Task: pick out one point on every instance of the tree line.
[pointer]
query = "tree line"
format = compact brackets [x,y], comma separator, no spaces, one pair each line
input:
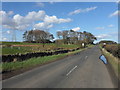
[74,37]
[64,37]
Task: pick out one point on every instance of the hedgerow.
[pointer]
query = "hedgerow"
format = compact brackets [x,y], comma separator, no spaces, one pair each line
[113,49]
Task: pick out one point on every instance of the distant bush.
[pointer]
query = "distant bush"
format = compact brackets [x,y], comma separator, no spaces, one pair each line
[113,49]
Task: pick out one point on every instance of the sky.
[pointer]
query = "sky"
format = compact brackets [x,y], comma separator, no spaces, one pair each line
[98,18]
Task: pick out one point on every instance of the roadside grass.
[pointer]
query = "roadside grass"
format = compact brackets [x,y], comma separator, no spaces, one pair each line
[90,45]
[28,63]
[113,61]
[34,61]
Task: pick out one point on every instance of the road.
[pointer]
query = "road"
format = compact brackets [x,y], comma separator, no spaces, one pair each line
[82,70]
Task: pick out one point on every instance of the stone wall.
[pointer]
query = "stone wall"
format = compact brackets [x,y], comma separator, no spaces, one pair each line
[22,57]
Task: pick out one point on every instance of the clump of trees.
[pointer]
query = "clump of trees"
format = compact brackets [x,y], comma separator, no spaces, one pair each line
[38,36]
[107,42]
[74,37]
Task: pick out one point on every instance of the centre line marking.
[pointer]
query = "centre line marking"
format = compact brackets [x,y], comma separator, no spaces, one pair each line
[71,70]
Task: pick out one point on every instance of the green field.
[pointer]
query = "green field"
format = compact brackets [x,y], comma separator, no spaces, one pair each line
[8,49]
[19,43]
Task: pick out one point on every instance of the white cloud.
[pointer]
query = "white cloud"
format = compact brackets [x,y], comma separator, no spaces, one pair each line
[56,0]
[6,20]
[82,10]
[43,26]
[4,39]
[75,12]
[10,13]
[35,16]
[49,21]
[40,4]
[102,28]
[30,17]
[109,36]
[99,28]
[52,2]
[18,19]
[76,29]
[111,25]
[18,22]
[64,20]
[54,19]
[8,32]
[118,1]
[116,13]
[102,36]
[25,21]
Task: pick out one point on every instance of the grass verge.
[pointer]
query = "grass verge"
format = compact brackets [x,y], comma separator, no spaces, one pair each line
[114,62]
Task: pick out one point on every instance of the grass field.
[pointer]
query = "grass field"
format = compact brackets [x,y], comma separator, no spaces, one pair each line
[19,43]
[7,49]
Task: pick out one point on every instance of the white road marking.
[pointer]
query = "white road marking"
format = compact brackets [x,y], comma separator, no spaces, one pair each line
[86,57]
[71,70]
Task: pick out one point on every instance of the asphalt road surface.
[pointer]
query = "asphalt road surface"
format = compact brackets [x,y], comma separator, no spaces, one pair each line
[82,70]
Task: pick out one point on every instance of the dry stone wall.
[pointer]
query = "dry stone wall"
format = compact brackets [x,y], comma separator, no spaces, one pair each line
[22,57]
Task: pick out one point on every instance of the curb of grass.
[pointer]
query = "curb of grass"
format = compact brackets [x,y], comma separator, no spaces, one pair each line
[12,73]
[112,66]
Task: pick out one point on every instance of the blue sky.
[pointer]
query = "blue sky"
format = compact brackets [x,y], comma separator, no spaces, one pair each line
[99,18]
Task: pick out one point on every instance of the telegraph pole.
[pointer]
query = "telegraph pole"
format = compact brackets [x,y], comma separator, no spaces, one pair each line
[14,36]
